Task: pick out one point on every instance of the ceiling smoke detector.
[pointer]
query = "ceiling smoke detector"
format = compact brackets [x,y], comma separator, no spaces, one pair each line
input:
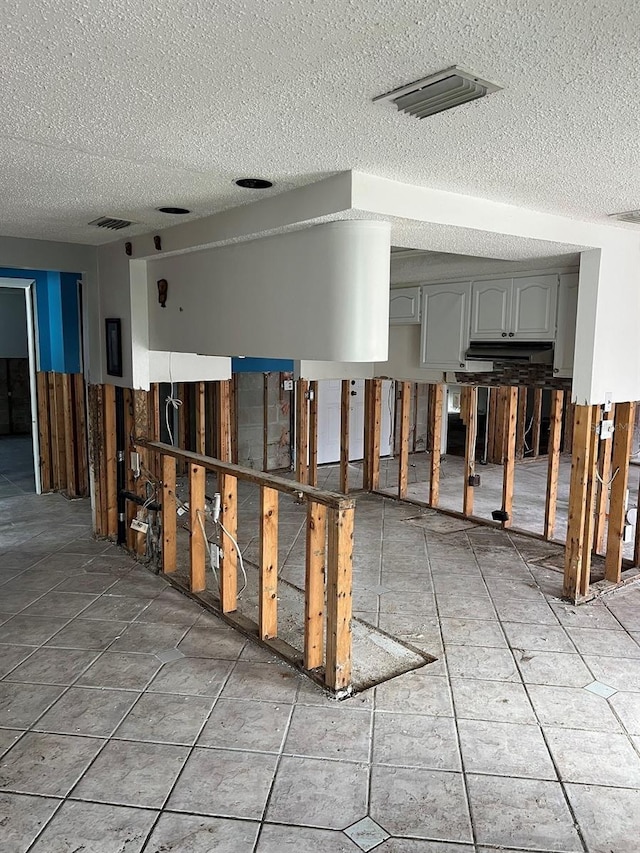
[111,222]
[627,216]
[439,92]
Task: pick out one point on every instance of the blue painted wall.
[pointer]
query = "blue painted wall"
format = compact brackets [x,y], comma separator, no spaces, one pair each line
[261,365]
[56,298]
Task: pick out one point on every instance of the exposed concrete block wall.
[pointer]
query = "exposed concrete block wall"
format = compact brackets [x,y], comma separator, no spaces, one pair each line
[251,400]
[15,411]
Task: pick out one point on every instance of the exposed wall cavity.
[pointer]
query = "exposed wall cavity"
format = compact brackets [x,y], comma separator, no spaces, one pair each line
[264,420]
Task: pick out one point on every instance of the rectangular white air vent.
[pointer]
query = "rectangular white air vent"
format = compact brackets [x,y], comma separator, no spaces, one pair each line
[111,222]
[628,216]
[439,92]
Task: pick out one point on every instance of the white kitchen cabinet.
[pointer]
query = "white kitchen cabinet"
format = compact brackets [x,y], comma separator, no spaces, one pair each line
[446,310]
[566,334]
[517,309]
[404,306]
[491,312]
[533,308]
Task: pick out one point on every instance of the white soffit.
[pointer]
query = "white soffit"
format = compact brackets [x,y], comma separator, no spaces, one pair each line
[119,108]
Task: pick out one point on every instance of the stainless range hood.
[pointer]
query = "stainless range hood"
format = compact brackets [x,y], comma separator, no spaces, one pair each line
[521,352]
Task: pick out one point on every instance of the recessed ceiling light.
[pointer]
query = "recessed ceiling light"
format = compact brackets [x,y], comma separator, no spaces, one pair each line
[176,211]
[439,92]
[254,183]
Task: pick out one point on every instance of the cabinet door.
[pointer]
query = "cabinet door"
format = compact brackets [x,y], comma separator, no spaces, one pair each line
[534,308]
[404,305]
[491,311]
[445,325]
[566,335]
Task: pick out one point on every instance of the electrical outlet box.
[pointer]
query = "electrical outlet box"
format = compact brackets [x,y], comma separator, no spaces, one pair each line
[287,385]
[474,479]
[627,533]
[310,395]
[139,526]
[608,401]
[606,430]
[135,463]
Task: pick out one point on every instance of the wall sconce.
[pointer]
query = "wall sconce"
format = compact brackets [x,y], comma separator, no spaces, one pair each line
[157,242]
[163,287]
[128,248]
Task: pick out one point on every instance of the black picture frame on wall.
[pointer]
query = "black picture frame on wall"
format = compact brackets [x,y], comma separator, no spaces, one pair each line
[113,337]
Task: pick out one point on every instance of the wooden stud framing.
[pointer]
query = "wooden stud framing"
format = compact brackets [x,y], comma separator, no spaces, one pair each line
[233,415]
[169,522]
[376,429]
[405,419]
[622,442]
[471,395]
[129,436]
[555,434]
[521,423]
[229,566]
[44,431]
[197,540]
[80,434]
[602,497]
[580,469]
[313,434]
[567,435]
[60,447]
[223,420]
[589,518]
[302,431]
[70,458]
[268,593]
[435,417]
[537,422]
[511,412]
[345,411]
[493,414]
[110,459]
[314,585]
[201,417]
[339,598]
[97,455]
[366,460]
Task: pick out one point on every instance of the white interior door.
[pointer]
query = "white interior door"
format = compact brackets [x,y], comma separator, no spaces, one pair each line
[329,393]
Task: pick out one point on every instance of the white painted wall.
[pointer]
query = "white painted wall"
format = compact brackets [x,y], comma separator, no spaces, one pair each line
[182,366]
[333,370]
[13,324]
[321,293]
[404,357]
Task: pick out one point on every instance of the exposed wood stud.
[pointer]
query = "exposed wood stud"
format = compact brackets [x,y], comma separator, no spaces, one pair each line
[376,429]
[80,436]
[110,459]
[182,439]
[44,431]
[435,417]
[403,459]
[197,540]
[201,417]
[521,426]
[602,497]
[511,412]
[345,412]
[70,460]
[229,567]
[61,451]
[302,431]
[416,401]
[169,523]
[366,459]
[471,395]
[129,434]
[622,442]
[314,585]
[491,437]
[589,519]
[313,434]
[553,469]
[268,594]
[339,598]
[580,468]
[223,420]
[537,422]
[567,436]
[233,414]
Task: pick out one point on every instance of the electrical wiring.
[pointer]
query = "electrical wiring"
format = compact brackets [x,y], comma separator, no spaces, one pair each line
[176,403]
[210,546]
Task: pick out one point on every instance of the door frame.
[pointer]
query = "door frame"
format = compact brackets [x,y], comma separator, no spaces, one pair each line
[28,285]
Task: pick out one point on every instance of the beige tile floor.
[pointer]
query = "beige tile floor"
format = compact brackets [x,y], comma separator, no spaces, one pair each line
[132,720]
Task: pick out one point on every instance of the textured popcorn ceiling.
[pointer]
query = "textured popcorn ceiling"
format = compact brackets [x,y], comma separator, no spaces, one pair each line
[119,107]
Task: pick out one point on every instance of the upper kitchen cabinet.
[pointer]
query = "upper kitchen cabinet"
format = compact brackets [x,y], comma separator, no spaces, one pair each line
[404,306]
[521,308]
[567,316]
[446,312]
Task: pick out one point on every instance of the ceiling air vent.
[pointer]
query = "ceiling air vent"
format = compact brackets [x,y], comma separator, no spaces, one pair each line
[439,92]
[111,222]
[628,216]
